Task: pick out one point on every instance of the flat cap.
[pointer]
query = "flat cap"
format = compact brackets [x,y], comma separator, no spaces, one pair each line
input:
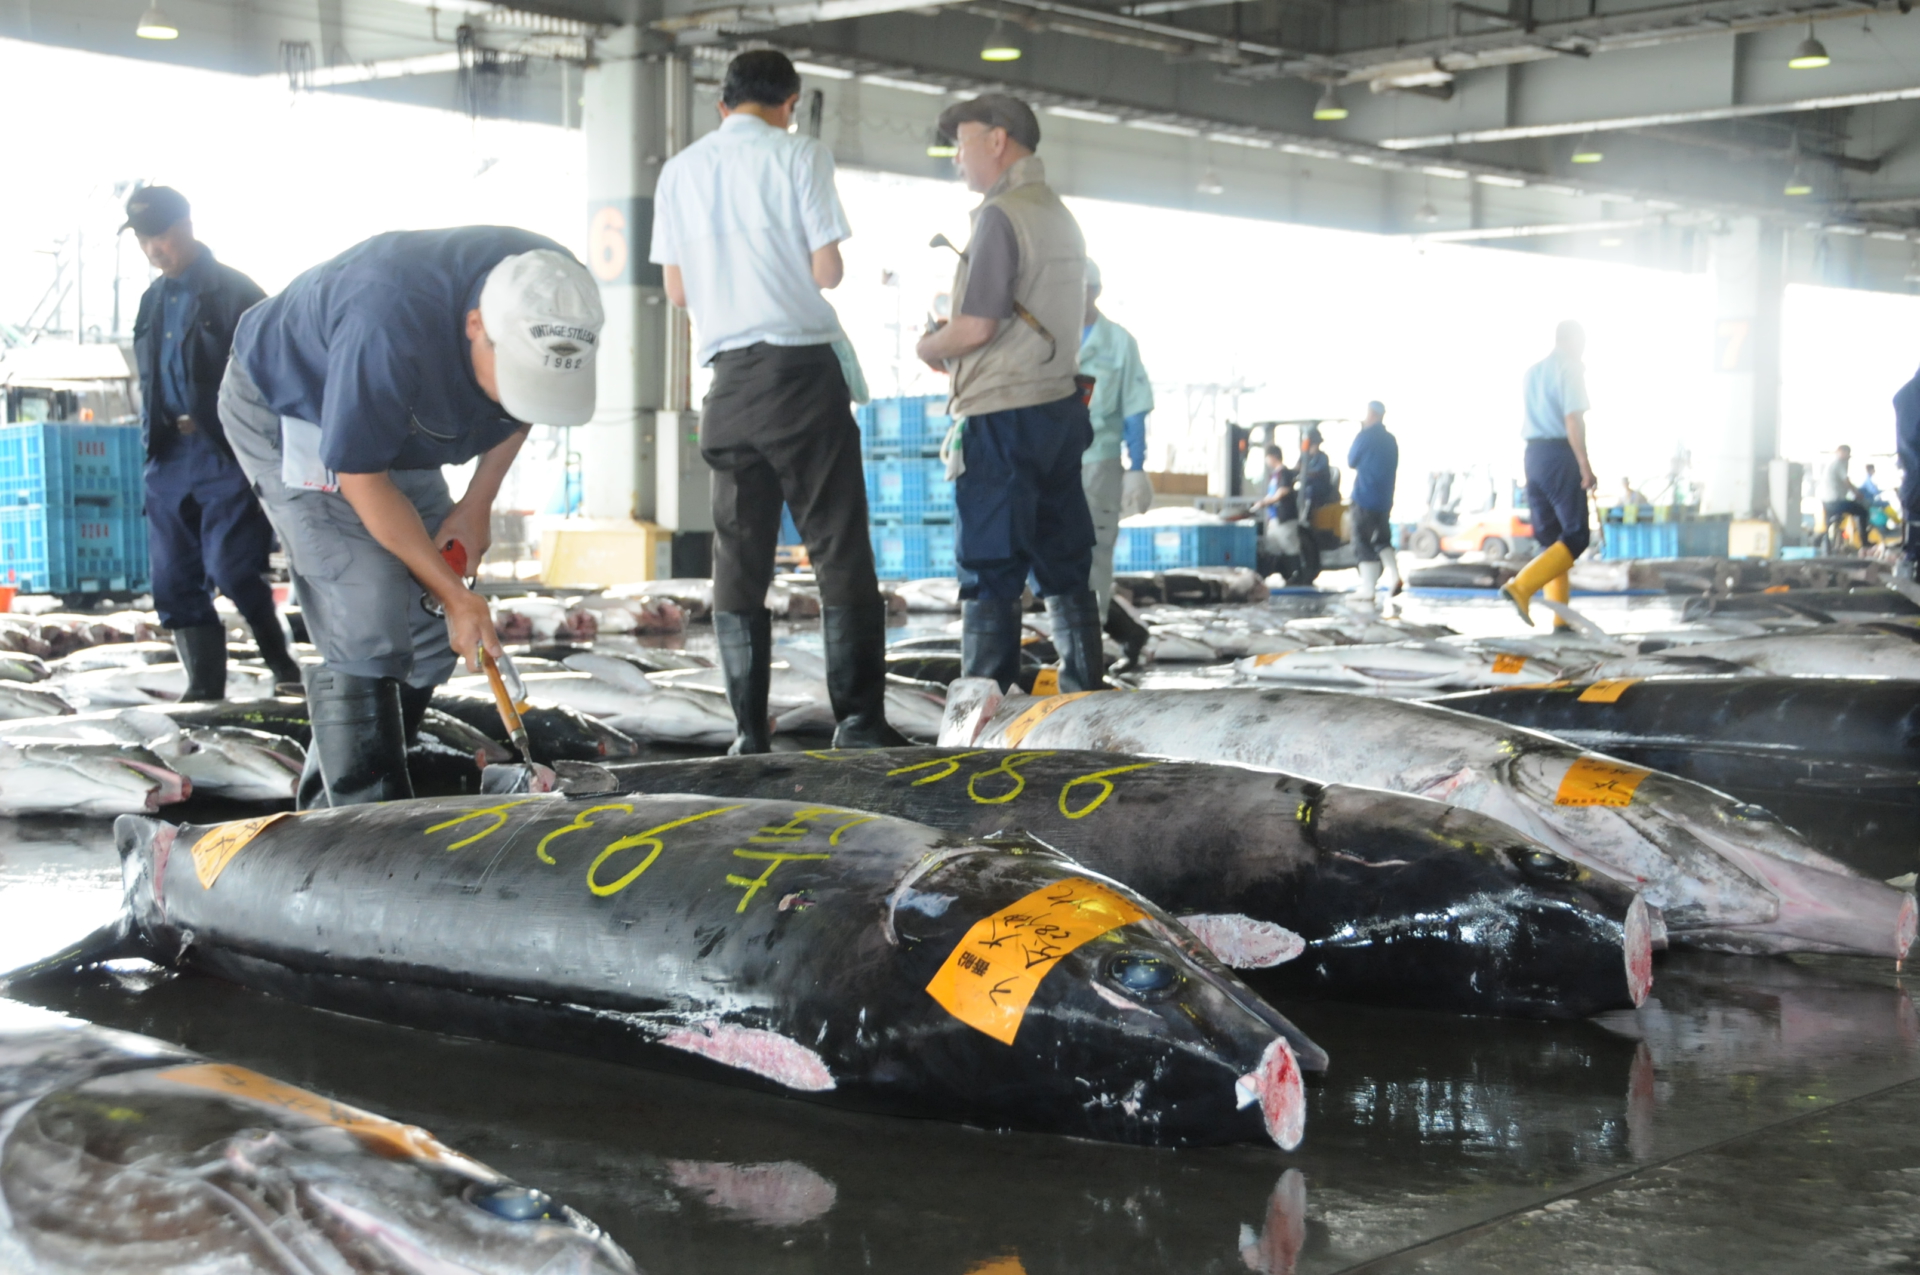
[995,110]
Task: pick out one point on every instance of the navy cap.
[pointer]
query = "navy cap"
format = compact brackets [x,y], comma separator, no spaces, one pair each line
[152,210]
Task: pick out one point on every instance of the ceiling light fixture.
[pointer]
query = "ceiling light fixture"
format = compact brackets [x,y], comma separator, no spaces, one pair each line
[939,147]
[1210,184]
[1587,151]
[1811,55]
[1426,213]
[154,25]
[1798,183]
[1328,107]
[999,46]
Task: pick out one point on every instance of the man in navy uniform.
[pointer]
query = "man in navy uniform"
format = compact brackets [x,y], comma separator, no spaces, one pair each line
[203,522]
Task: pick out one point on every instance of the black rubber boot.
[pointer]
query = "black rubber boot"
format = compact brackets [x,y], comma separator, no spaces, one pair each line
[746,657]
[990,639]
[414,702]
[203,653]
[272,641]
[1130,634]
[359,746]
[856,642]
[1076,634]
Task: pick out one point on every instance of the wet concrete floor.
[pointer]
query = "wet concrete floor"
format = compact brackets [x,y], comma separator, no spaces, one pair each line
[1755,1115]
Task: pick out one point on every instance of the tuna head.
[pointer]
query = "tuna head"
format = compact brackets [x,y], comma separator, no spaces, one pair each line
[66,777]
[149,1170]
[1084,1009]
[230,762]
[1723,874]
[1442,898]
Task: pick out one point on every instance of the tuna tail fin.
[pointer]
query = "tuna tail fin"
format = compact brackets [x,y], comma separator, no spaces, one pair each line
[109,942]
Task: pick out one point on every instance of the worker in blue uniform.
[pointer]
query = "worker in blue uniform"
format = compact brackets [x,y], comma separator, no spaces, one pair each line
[1559,475]
[204,525]
[1906,438]
[346,395]
[1375,461]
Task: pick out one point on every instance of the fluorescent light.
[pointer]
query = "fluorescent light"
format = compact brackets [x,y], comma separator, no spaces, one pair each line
[1311,152]
[1558,190]
[1156,126]
[820,72]
[905,86]
[154,25]
[1495,179]
[1441,170]
[1075,113]
[1241,139]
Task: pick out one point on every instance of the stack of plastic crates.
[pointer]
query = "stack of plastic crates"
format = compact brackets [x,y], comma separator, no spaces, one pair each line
[72,508]
[909,496]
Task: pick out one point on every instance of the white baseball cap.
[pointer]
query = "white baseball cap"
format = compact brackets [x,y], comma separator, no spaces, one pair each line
[542,311]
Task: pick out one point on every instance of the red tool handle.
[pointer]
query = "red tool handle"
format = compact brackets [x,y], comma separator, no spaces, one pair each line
[456,555]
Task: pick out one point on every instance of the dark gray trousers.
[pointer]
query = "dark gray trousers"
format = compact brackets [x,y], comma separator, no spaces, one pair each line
[778,424]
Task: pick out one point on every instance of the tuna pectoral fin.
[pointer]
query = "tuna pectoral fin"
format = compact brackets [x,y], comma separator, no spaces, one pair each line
[1276,1085]
[107,943]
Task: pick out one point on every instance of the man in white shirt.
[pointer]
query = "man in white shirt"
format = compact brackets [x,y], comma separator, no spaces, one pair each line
[747,227]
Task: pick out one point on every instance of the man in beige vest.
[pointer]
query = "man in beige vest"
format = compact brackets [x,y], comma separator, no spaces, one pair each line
[1011,350]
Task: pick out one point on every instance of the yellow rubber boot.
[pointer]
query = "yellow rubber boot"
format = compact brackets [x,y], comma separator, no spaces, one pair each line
[1533,577]
[1559,589]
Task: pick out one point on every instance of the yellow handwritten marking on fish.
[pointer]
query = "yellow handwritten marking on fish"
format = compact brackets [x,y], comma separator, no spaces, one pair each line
[499,814]
[1019,727]
[1608,690]
[651,837]
[388,1137]
[989,978]
[1006,767]
[800,825]
[1509,663]
[217,846]
[774,859]
[1271,657]
[580,821]
[1106,789]
[1591,781]
[951,764]
[1046,682]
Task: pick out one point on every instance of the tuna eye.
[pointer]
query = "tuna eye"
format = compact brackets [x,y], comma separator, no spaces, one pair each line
[1543,865]
[514,1203]
[1142,974]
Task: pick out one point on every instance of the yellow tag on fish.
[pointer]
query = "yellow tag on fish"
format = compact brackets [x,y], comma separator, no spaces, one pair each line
[1046,682]
[988,980]
[388,1137]
[1017,729]
[1509,663]
[215,850]
[1608,690]
[1261,661]
[1591,781]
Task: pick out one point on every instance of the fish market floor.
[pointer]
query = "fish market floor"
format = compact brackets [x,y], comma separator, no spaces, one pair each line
[1756,1115]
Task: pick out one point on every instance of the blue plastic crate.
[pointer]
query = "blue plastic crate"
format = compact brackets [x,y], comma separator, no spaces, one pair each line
[61,464]
[909,490]
[1157,548]
[912,552]
[79,549]
[1691,539]
[903,426]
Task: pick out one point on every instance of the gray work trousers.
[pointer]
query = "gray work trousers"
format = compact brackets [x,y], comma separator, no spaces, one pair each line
[364,610]
[1102,481]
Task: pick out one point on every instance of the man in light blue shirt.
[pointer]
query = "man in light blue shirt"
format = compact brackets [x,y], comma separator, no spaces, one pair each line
[1559,475]
[747,229]
[1121,395]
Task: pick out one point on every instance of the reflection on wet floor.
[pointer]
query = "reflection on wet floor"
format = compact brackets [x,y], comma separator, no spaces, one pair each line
[1434,1142]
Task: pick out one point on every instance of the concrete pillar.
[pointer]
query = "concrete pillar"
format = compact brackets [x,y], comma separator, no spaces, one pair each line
[634,105]
[1737,447]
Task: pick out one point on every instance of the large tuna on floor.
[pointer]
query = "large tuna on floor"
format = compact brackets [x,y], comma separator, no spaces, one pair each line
[808,949]
[1724,874]
[1838,758]
[81,777]
[1331,890]
[121,1155]
[235,763]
